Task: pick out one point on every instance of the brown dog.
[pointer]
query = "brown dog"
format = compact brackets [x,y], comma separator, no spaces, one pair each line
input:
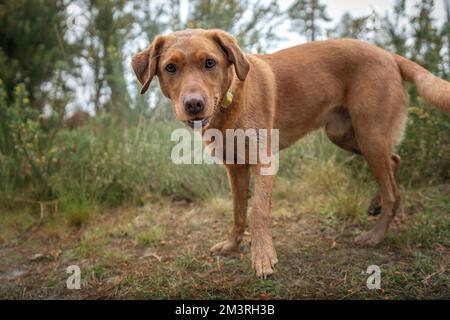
[352,89]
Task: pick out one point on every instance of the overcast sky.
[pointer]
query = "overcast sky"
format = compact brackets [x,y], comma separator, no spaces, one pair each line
[336,8]
[359,7]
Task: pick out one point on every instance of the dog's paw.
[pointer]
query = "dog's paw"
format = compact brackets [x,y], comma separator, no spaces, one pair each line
[264,258]
[374,210]
[225,247]
[375,206]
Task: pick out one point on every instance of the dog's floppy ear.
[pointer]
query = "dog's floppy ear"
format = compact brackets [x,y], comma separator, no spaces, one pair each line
[144,63]
[233,53]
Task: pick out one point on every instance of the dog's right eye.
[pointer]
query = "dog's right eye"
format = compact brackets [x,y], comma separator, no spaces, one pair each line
[171,68]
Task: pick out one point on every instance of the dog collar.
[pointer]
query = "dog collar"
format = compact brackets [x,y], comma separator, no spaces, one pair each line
[228,100]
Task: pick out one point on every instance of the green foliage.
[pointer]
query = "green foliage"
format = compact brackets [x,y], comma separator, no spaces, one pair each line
[107,32]
[426,147]
[428,42]
[395,28]
[252,22]
[306,16]
[28,156]
[97,165]
[350,27]
[32,47]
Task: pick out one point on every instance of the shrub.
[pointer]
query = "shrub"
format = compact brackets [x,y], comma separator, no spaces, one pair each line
[107,163]
[425,150]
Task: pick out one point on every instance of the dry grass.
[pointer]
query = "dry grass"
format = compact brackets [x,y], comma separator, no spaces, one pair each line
[160,251]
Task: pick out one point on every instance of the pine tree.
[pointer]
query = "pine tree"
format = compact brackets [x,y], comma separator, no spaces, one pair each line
[154,18]
[252,22]
[428,42]
[107,34]
[446,36]
[306,16]
[349,27]
[395,29]
[32,46]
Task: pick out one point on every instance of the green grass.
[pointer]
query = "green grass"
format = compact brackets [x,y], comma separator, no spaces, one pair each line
[160,250]
[141,227]
[150,236]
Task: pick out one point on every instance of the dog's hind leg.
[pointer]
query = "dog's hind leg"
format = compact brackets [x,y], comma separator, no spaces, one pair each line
[239,176]
[375,204]
[378,157]
[378,113]
[341,132]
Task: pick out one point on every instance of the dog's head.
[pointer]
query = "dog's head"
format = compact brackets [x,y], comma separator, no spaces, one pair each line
[194,68]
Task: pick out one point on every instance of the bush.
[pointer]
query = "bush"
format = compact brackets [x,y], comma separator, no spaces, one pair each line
[425,150]
[28,155]
[111,166]
[104,163]
[107,163]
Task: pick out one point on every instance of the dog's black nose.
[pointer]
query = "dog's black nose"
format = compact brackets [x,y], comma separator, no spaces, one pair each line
[194,103]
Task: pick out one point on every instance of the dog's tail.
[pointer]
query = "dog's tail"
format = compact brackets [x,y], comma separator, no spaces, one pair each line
[433,89]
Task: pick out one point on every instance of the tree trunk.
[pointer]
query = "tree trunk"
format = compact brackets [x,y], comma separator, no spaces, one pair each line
[313,20]
[447,10]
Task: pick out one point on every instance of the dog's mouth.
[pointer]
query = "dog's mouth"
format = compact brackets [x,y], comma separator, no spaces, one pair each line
[197,122]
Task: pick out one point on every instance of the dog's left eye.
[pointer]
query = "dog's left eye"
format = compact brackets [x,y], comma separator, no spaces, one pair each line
[210,63]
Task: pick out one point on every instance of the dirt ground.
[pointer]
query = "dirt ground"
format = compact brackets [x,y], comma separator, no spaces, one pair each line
[160,251]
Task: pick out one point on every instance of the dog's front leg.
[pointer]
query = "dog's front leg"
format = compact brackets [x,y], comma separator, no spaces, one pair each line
[239,176]
[264,256]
